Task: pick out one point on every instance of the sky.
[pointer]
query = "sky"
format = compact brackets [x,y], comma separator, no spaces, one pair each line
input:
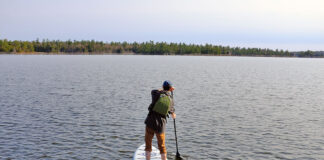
[292,25]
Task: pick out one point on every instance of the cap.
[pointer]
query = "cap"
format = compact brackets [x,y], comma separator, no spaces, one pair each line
[167,84]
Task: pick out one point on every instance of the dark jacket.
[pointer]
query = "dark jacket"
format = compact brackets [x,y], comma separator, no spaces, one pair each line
[155,120]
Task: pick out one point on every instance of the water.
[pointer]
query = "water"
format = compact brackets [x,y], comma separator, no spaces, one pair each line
[93,107]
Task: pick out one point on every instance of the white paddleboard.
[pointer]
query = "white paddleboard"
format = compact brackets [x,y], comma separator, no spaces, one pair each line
[140,153]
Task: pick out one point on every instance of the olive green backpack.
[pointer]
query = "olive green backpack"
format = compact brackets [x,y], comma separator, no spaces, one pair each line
[162,105]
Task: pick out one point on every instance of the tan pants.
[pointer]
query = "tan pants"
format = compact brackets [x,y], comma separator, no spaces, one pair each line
[149,134]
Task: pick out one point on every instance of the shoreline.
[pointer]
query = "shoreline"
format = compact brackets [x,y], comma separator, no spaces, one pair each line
[86,47]
[205,55]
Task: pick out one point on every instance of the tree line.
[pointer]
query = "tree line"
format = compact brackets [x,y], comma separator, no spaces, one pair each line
[146,48]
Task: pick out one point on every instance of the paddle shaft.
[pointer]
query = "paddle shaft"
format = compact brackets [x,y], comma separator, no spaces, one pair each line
[175,133]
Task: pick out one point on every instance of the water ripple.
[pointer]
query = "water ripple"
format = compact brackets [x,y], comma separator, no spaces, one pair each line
[93,107]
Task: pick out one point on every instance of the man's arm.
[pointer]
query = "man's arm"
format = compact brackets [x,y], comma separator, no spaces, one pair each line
[172,109]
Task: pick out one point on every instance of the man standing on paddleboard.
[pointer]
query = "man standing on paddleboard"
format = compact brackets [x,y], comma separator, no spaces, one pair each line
[162,105]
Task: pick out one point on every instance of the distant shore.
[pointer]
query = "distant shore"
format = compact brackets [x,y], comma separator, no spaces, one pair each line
[56,47]
[50,53]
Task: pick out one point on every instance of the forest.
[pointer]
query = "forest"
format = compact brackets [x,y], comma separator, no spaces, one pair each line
[143,48]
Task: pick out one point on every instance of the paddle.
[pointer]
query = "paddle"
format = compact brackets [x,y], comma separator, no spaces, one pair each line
[178,157]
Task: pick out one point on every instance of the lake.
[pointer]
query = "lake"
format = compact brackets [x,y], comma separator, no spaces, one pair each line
[94,107]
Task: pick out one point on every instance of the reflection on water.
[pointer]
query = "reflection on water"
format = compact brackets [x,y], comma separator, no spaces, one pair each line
[93,107]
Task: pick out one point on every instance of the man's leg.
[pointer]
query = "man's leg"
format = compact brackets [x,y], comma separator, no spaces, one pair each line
[149,133]
[161,144]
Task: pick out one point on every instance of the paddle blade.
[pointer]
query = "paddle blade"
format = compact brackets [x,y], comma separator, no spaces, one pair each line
[178,157]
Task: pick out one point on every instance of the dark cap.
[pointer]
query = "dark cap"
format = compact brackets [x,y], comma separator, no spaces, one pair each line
[167,84]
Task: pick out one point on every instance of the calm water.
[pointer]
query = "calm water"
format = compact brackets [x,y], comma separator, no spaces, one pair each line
[93,107]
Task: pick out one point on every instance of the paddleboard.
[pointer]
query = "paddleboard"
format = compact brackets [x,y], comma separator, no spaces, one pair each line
[140,153]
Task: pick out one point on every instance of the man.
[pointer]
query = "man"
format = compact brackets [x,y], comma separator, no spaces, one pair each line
[162,105]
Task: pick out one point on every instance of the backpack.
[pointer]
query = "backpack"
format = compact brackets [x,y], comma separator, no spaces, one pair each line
[162,105]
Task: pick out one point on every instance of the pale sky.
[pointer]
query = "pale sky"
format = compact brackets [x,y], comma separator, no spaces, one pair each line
[283,24]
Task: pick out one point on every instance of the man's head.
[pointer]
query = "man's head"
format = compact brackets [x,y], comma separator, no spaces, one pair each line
[167,86]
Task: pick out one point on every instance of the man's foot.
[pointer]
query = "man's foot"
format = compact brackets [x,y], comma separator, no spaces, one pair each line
[163,156]
[148,155]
